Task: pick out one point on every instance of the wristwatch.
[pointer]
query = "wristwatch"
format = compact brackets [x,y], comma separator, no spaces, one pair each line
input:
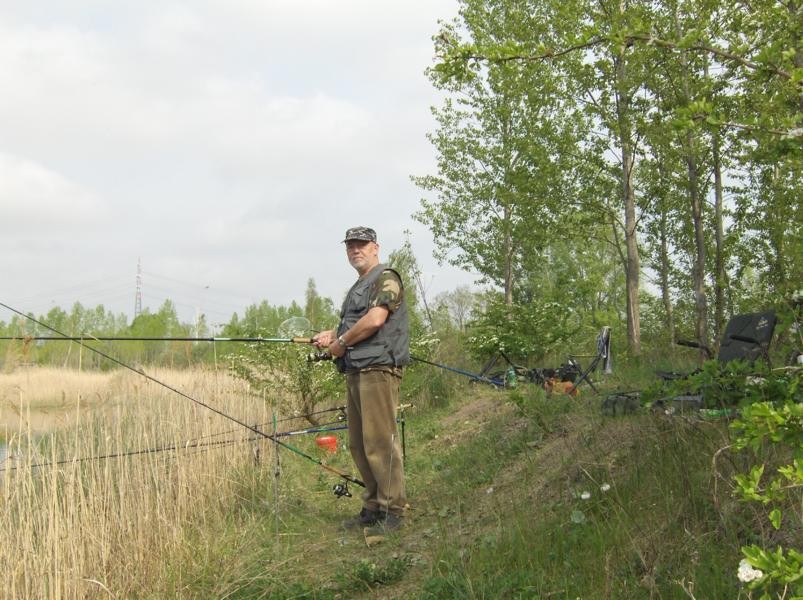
[341,341]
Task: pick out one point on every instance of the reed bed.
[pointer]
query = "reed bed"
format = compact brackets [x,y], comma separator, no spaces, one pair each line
[80,519]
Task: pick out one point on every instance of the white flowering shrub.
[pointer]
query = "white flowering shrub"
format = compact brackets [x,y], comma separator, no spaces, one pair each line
[521,331]
[747,573]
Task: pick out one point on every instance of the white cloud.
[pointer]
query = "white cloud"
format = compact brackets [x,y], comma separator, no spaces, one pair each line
[228,143]
[35,199]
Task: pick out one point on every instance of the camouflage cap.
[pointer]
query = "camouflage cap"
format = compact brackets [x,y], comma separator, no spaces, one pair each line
[360,233]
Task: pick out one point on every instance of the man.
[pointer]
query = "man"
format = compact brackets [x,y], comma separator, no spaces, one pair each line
[371,345]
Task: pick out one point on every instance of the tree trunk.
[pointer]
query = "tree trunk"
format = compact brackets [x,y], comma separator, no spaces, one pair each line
[664,266]
[664,260]
[632,264]
[719,266]
[508,266]
[720,276]
[698,269]
[696,205]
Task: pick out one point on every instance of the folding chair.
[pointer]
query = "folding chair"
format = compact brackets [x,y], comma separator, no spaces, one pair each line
[747,337]
[567,378]
[603,353]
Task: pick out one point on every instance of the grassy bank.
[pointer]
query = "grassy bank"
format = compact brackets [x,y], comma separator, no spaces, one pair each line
[534,497]
[513,494]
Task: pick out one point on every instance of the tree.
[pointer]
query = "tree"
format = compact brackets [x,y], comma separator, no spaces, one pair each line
[460,304]
[505,147]
[403,261]
[758,94]
[560,147]
[318,310]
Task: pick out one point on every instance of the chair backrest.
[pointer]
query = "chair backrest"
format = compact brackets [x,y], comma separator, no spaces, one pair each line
[747,337]
[604,349]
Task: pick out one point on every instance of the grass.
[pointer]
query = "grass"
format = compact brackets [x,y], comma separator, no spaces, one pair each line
[497,480]
[125,519]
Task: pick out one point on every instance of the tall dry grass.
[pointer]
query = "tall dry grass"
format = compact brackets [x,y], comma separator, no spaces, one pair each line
[78,526]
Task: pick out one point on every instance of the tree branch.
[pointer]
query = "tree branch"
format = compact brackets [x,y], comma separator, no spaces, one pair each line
[648,39]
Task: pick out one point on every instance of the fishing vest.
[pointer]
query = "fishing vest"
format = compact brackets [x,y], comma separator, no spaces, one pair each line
[390,345]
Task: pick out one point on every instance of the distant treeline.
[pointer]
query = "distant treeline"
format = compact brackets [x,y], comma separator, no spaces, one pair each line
[261,319]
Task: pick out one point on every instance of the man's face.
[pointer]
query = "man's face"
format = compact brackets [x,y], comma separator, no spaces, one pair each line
[362,255]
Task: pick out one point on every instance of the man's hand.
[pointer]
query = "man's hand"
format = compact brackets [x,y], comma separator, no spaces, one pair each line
[324,339]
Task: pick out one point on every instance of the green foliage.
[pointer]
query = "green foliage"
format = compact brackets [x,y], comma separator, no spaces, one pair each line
[722,385]
[264,320]
[163,323]
[403,260]
[319,311]
[769,223]
[780,571]
[522,332]
[506,149]
[777,422]
[282,370]
[649,107]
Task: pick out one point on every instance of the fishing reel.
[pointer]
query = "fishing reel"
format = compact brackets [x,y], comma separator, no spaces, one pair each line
[318,356]
[341,490]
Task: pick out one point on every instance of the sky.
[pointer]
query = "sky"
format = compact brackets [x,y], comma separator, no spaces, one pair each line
[224,146]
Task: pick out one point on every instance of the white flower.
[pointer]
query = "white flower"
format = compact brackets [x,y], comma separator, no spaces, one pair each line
[747,573]
[490,490]
[585,495]
[605,487]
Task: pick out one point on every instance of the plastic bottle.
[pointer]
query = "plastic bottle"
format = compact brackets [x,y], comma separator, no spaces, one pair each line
[511,377]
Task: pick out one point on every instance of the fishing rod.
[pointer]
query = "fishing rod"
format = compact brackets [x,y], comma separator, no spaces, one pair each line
[104,338]
[185,446]
[473,376]
[319,356]
[189,445]
[341,418]
[339,490]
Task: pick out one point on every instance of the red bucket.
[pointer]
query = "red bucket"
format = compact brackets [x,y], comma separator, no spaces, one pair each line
[327,442]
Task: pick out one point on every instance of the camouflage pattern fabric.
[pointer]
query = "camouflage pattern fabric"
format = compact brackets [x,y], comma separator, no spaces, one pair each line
[365,234]
[387,291]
